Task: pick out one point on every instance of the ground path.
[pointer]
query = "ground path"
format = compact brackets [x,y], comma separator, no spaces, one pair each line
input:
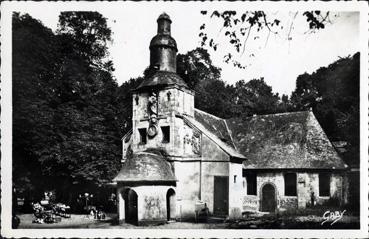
[251,222]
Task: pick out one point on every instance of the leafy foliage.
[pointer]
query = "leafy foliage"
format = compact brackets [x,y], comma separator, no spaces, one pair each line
[88,32]
[213,95]
[65,108]
[238,27]
[333,94]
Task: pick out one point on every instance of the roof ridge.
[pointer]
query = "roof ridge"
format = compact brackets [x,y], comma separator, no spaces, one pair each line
[230,135]
[201,111]
[275,114]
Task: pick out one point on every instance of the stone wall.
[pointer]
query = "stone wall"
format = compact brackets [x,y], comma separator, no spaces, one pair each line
[171,103]
[211,153]
[236,190]
[311,187]
[287,202]
[276,179]
[151,202]
[307,188]
[188,187]
[250,203]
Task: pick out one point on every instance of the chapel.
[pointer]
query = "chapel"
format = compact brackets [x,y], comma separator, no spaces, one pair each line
[178,159]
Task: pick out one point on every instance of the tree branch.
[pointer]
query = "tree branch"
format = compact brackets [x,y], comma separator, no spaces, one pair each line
[244,43]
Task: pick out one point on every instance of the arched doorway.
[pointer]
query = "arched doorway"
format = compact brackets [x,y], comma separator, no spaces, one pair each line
[130,206]
[171,204]
[268,198]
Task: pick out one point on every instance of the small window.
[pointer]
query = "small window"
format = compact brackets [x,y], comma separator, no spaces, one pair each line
[166,134]
[234,178]
[251,183]
[324,184]
[143,135]
[136,99]
[290,184]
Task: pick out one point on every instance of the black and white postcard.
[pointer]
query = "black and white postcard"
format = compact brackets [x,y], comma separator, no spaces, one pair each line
[184,119]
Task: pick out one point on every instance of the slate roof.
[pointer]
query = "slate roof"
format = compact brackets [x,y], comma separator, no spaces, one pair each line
[287,140]
[215,125]
[211,134]
[293,140]
[164,15]
[162,78]
[146,166]
[163,40]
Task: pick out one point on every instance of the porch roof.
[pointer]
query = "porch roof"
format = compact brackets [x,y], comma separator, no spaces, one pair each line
[146,166]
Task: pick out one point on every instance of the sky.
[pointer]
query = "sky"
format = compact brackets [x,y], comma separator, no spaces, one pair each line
[277,60]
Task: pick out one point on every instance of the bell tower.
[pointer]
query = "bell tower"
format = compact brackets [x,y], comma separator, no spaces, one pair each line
[161,100]
[163,48]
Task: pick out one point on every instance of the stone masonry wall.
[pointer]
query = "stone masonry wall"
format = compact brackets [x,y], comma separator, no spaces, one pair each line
[188,187]
[236,190]
[211,153]
[307,189]
[151,202]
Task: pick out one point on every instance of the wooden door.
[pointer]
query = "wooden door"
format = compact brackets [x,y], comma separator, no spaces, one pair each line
[171,205]
[220,195]
[268,201]
[131,209]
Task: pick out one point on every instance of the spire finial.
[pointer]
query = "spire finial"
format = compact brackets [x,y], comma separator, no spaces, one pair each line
[164,24]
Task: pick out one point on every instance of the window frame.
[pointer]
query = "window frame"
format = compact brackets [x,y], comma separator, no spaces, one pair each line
[251,183]
[143,135]
[165,140]
[324,190]
[289,183]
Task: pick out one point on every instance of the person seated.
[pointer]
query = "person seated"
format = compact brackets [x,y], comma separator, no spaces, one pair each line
[203,214]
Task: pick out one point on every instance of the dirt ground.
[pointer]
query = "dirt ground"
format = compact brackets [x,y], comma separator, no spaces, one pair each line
[82,221]
[249,222]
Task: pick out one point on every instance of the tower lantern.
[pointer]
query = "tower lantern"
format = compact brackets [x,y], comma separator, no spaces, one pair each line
[163,48]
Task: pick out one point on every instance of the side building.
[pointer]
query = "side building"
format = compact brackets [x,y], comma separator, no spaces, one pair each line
[177,159]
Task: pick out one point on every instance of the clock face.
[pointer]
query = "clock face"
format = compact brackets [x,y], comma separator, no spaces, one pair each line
[152,131]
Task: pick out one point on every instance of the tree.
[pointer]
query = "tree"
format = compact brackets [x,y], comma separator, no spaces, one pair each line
[238,28]
[124,99]
[211,93]
[88,32]
[65,103]
[196,66]
[34,65]
[255,97]
[333,94]
[216,97]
